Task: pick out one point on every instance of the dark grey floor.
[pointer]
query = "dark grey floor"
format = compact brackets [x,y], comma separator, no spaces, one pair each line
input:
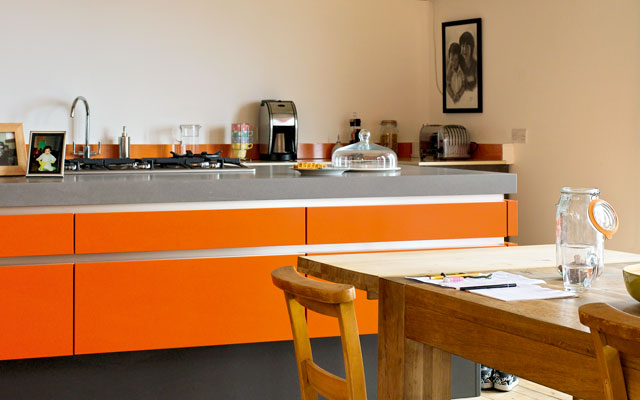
[248,371]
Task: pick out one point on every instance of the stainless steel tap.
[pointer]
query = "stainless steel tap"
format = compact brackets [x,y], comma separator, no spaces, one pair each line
[86,152]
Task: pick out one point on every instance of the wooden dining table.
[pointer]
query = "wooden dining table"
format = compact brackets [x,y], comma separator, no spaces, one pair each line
[420,325]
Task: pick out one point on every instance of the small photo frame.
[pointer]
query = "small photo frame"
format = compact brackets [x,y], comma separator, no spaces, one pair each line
[462,66]
[46,153]
[13,156]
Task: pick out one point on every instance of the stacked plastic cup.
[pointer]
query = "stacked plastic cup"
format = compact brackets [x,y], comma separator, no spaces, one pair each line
[241,139]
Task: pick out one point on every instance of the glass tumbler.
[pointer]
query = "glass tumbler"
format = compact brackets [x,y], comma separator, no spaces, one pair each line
[189,138]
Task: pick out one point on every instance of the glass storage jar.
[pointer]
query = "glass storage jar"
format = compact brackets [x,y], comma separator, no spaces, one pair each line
[583,221]
[389,134]
[364,155]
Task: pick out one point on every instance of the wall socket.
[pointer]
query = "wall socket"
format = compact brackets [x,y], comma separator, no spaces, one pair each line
[519,135]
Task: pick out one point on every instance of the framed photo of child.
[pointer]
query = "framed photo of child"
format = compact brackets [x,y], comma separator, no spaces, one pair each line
[462,66]
[13,156]
[46,154]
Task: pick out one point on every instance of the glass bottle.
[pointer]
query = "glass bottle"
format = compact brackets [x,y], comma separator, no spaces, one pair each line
[579,245]
[337,145]
[389,134]
[354,125]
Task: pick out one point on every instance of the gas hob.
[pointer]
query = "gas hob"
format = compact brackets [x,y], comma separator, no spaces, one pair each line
[177,163]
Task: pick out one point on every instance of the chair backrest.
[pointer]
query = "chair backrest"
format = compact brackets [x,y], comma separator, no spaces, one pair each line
[616,337]
[335,300]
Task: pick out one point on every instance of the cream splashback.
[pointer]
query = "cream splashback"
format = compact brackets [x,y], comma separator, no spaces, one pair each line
[152,65]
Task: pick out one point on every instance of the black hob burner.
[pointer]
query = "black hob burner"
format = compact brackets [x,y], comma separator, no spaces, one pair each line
[184,162]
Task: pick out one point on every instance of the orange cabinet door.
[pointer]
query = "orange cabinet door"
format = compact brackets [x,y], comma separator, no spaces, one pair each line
[188,230]
[36,235]
[366,315]
[406,222]
[140,305]
[36,311]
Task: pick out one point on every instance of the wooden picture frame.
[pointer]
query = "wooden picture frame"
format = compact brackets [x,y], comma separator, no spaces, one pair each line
[13,156]
[46,153]
[462,66]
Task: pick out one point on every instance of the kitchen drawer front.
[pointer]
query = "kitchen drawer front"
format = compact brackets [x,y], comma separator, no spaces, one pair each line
[36,235]
[36,311]
[360,224]
[366,315]
[142,305]
[188,230]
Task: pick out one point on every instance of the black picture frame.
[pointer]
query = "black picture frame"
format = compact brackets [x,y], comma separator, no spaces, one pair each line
[462,83]
[40,162]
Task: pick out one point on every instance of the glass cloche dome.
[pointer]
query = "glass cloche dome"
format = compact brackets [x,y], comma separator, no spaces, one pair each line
[364,155]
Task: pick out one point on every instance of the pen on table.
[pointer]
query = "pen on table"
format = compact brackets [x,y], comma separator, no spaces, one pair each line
[502,285]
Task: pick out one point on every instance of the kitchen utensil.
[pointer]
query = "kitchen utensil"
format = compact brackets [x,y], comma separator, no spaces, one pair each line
[365,156]
[582,222]
[189,138]
[278,133]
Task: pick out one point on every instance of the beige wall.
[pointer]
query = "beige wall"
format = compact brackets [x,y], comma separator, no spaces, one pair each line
[569,72]
[152,65]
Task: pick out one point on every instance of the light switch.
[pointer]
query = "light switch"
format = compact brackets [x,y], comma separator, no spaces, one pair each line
[519,135]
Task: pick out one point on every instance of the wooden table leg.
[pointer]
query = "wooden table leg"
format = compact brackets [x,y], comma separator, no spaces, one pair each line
[427,372]
[406,369]
[390,340]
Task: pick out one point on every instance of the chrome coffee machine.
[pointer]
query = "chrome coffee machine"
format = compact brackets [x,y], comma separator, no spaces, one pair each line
[278,132]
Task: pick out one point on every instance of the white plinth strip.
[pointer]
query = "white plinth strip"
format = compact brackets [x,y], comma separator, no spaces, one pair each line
[252,204]
[253,251]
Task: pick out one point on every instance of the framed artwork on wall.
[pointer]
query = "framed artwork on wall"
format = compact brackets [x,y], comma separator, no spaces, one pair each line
[462,66]
[13,157]
[46,154]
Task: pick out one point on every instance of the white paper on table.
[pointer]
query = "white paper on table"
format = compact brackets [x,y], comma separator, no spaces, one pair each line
[497,278]
[524,292]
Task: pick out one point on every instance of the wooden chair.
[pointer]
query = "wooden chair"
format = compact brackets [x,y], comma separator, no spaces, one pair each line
[335,300]
[616,336]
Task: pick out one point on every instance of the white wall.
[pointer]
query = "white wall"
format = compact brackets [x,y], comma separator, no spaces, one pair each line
[152,65]
[569,72]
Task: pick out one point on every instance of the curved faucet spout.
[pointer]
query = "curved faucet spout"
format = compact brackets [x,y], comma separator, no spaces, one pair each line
[86,152]
[86,105]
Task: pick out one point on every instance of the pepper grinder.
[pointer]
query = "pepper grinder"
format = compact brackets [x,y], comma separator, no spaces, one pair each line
[124,143]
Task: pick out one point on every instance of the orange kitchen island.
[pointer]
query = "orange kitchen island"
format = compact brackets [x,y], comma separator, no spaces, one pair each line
[151,283]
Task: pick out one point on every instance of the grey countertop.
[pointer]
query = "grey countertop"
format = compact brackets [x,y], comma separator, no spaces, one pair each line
[277,182]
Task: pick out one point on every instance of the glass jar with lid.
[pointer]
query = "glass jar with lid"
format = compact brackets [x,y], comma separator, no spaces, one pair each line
[364,155]
[583,220]
[389,134]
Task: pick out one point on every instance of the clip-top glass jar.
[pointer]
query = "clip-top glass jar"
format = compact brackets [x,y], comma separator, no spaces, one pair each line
[579,247]
[364,155]
[582,223]
[389,134]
